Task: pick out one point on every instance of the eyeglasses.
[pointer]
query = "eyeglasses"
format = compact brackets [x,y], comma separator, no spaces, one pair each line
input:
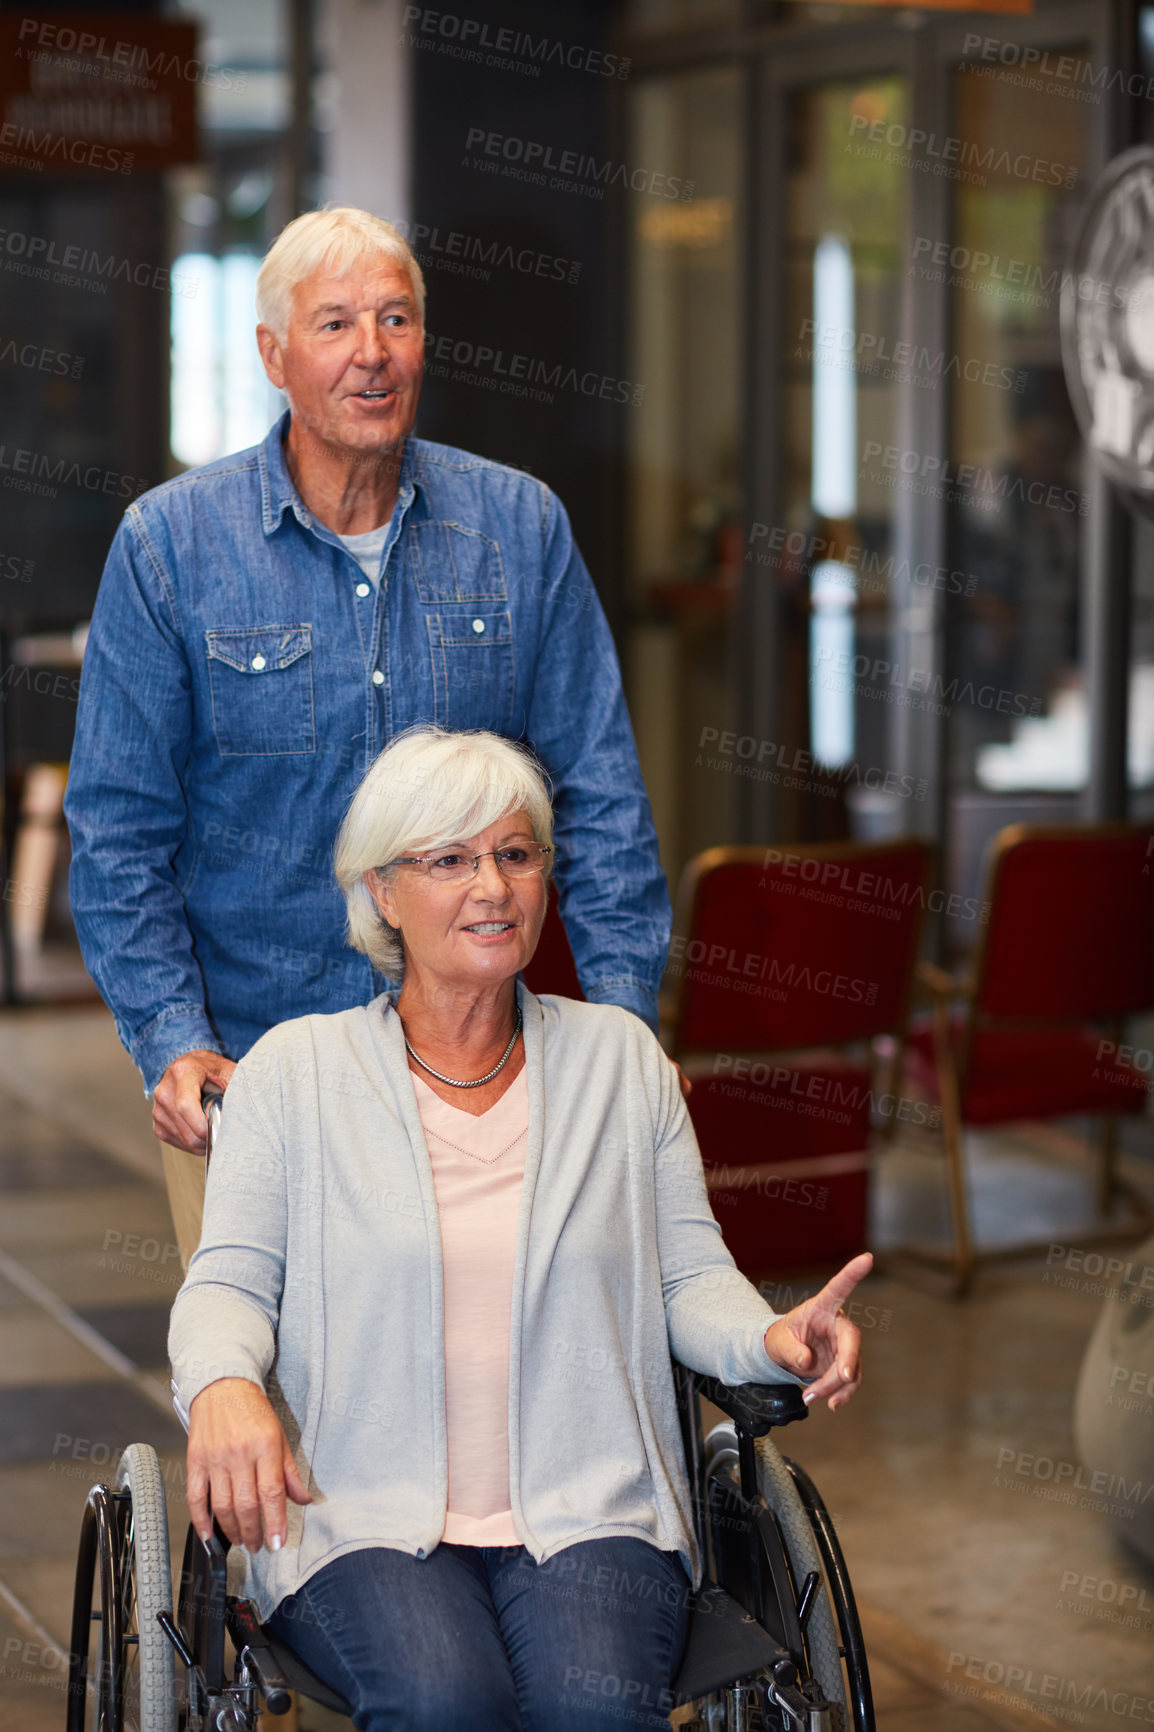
[518,860]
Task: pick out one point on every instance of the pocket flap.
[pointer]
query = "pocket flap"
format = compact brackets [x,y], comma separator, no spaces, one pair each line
[470,627]
[261,649]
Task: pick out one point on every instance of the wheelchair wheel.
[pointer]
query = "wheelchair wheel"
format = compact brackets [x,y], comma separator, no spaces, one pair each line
[841,1594]
[124,1680]
[811,1545]
[776,1485]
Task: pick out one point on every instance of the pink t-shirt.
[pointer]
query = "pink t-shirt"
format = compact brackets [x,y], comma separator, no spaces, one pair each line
[478,1168]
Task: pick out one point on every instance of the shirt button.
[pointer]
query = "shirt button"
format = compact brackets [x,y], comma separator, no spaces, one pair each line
[478,626]
[378,677]
[258,662]
[362,589]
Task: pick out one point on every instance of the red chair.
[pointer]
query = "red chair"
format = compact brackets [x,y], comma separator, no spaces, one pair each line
[778,952]
[552,968]
[1066,954]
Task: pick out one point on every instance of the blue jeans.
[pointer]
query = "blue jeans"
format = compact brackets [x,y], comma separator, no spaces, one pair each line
[482,1639]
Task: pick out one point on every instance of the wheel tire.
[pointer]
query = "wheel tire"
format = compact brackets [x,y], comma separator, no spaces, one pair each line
[780,1493]
[89,1663]
[146,1588]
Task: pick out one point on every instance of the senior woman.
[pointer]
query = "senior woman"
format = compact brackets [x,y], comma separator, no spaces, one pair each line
[451,1239]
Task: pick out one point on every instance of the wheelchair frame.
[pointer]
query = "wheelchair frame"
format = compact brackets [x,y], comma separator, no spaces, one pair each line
[756,1656]
[774,1641]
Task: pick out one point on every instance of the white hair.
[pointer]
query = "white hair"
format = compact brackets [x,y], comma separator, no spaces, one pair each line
[430,786]
[333,240]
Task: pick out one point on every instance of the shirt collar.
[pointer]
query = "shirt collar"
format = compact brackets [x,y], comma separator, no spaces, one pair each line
[278,492]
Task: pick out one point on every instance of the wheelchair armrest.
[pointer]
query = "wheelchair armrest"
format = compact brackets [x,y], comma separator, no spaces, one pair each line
[754,1407]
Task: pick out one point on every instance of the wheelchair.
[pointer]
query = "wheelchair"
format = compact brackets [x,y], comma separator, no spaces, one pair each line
[774,1642]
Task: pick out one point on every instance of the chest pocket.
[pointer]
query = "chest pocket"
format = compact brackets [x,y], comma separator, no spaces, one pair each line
[473,667]
[451,563]
[261,682]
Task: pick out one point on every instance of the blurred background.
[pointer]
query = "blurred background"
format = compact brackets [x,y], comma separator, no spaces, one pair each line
[791,316]
[794,317]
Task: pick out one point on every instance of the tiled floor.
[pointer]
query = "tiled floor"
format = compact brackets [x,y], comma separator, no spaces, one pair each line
[986,1602]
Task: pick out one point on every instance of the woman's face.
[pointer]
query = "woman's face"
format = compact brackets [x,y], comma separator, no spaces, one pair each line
[472,934]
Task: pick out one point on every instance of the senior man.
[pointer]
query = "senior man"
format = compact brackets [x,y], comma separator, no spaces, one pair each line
[264,626]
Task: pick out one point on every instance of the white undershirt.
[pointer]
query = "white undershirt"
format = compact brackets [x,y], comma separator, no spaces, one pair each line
[366,549]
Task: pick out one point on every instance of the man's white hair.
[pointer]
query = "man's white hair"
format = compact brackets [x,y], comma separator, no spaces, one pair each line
[333,240]
[430,786]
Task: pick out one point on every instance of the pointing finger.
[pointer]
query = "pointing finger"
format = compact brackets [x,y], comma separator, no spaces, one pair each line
[839,1287]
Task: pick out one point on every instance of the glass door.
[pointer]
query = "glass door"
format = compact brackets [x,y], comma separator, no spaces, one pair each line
[843,365]
[918,496]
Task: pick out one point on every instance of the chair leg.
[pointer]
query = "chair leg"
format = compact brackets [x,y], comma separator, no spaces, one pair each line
[955,1159]
[1107,1151]
[964,1260]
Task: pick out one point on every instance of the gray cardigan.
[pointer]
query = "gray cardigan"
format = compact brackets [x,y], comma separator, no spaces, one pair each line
[319,1277]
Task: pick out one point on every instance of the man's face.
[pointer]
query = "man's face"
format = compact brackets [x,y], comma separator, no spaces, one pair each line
[353,358]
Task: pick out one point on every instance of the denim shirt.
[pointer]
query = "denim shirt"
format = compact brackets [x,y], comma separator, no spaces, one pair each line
[241,676]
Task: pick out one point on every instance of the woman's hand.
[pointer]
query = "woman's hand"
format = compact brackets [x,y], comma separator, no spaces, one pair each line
[239,1456]
[816,1339]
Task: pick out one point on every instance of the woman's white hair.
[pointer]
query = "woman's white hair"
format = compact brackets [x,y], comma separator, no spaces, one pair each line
[333,240]
[430,786]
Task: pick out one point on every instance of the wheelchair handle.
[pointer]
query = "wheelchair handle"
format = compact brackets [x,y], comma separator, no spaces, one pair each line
[211,1099]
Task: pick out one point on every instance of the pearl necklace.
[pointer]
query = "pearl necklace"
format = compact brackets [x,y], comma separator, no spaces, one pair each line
[453,1082]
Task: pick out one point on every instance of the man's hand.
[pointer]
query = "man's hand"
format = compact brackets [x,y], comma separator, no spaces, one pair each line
[239,1456]
[817,1340]
[177,1115]
[683,1081]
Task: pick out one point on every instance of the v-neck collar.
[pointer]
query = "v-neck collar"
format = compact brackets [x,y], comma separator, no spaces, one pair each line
[460,1112]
